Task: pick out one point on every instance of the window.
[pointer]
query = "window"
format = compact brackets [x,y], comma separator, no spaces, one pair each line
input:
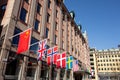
[23,15]
[3,7]
[91,59]
[2,10]
[16,38]
[34,48]
[56,26]
[104,68]
[36,25]
[56,13]
[27,1]
[38,8]
[63,44]
[47,32]
[30,68]
[55,39]
[49,2]
[48,17]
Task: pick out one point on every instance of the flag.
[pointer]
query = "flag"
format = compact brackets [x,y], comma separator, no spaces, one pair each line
[75,65]
[24,41]
[52,55]
[69,61]
[61,60]
[42,49]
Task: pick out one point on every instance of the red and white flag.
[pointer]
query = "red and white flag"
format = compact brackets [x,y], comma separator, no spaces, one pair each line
[42,49]
[61,60]
[52,55]
[75,65]
[24,41]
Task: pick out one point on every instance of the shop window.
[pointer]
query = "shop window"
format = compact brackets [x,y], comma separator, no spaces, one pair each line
[12,65]
[23,15]
[30,67]
[44,70]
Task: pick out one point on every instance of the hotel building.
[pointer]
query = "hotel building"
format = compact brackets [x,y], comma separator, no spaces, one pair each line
[106,64]
[51,20]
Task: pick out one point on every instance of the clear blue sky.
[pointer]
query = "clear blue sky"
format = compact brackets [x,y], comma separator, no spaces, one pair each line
[101,20]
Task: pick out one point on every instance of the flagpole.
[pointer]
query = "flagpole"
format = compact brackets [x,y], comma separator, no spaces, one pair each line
[18,34]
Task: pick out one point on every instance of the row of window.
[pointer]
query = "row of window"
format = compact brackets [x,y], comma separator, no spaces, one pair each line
[110,64]
[108,68]
[108,56]
[109,60]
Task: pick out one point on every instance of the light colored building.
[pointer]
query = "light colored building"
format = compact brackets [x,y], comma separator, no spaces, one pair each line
[107,64]
[51,20]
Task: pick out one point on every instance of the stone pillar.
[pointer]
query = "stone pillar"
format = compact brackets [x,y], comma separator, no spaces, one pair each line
[52,34]
[8,23]
[70,37]
[32,13]
[44,20]
[23,69]
[60,23]
[66,42]
[42,36]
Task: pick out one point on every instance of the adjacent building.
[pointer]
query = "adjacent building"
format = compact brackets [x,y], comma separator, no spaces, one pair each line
[51,20]
[106,64]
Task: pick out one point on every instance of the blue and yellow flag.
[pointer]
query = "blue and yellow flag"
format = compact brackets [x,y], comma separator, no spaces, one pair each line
[69,61]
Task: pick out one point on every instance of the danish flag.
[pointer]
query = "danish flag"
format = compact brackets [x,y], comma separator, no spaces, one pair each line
[61,60]
[52,55]
[42,49]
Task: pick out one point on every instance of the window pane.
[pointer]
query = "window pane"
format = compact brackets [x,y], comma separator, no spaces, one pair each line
[34,48]
[23,15]
[36,25]
[47,31]
[38,8]
[16,38]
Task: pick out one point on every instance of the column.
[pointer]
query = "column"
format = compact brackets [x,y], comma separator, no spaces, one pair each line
[32,13]
[42,36]
[70,37]
[66,43]
[8,29]
[60,36]
[44,20]
[23,69]
[52,33]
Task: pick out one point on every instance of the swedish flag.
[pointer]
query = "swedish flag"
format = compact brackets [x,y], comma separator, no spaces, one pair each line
[69,61]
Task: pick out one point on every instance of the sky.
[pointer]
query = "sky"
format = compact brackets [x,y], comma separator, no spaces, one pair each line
[101,20]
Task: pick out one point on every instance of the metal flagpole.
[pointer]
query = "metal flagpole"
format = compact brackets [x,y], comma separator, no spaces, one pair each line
[18,34]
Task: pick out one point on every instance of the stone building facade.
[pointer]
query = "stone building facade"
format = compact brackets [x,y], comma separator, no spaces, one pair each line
[51,20]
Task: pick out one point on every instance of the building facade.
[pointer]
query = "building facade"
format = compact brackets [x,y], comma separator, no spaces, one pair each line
[106,64]
[51,20]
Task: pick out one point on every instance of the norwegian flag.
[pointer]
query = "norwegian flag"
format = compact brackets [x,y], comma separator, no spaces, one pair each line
[61,60]
[75,65]
[52,55]
[42,49]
